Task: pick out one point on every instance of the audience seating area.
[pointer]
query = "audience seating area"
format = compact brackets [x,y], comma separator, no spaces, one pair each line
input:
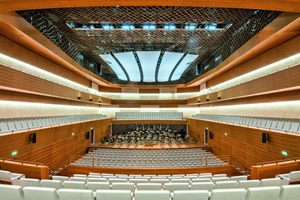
[149,115]
[276,124]
[159,158]
[7,176]
[292,177]
[22,124]
[123,187]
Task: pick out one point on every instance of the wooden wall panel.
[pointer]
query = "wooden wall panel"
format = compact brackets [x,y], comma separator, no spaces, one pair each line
[53,145]
[245,143]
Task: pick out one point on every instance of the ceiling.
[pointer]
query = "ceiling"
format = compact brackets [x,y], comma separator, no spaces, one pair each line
[84,34]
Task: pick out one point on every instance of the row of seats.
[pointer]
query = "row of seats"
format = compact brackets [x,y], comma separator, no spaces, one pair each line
[128,158]
[287,192]
[20,124]
[149,116]
[278,124]
[150,184]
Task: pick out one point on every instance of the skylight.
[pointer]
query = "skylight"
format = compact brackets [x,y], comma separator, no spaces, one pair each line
[146,69]
[148,61]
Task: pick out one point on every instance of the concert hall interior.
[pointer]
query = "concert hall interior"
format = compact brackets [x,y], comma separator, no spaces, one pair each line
[123,90]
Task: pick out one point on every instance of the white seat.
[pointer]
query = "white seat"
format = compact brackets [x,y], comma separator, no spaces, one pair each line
[98,186]
[220,175]
[40,193]
[270,182]
[159,180]
[263,193]
[239,178]
[81,179]
[226,185]
[180,180]
[218,179]
[202,186]
[74,185]
[29,182]
[75,194]
[293,176]
[93,179]
[176,186]
[7,176]
[290,192]
[229,194]
[51,183]
[190,195]
[113,195]
[11,192]
[60,178]
[152,194]
[138,180]
[248,183]
[122,186]
[80,175]
[111,180]
[201,180]
[148,186]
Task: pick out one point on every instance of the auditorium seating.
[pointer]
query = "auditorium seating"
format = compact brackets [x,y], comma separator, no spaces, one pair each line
[137,158]
[286,192]
[276,124]
[22,124]
[149,116]
[293,176]
[7,176]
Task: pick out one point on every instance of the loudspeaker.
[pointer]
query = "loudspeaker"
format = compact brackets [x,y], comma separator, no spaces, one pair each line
[198,70]
[264,137]
[211,135]
[87,135]
[33,137]
[99,69]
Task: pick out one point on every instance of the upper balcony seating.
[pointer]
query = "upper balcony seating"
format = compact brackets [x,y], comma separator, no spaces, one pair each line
[276,124]
[149,116]
[22,124]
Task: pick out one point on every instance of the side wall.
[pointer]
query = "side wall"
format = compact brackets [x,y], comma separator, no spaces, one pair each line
[244,143]
[54,145]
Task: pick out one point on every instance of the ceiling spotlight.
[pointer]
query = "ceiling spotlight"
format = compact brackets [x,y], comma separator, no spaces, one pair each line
[169,27]
[149,27]
[107,27]
[211,27]
[190,27]
[127,27]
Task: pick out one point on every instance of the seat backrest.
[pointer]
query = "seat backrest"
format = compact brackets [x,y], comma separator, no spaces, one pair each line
[98,186]
[264,193]
[228,194]
[5,176]
[176,186]
[180,180]
[218,179]
[111,180]
[149,186]
[40,193]
[74,185]
[99,179]
[201,180]
[239,178]
[202,186]
[75,194]
[152,194]
[294,176]
[248,183]
[11,192]
[138,180]
[113,195]
[29,182]
[190,195]
[60,178]
[159,180]
[290,192]
[82,179]
[122,186]
[270,182]
[226,185]
[51,183]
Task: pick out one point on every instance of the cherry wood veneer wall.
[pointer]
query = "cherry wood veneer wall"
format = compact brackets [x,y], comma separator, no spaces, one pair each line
[53,145]
[245,143]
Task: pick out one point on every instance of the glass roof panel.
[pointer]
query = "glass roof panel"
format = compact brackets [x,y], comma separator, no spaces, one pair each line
[167,64]
[188,59]
[114,65]
[148,61]
[129,63]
